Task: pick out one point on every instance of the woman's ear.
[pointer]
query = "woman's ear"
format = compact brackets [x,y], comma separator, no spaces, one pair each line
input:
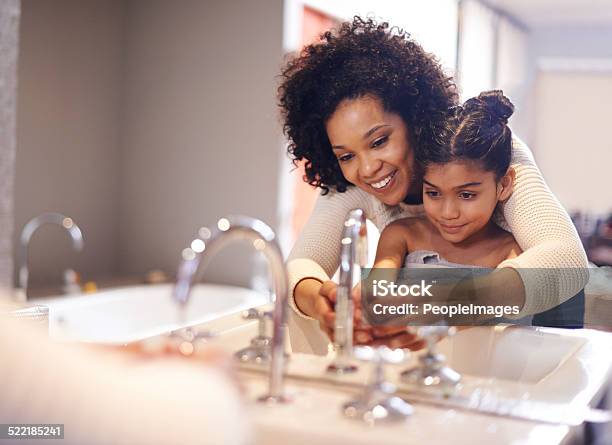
[506,184]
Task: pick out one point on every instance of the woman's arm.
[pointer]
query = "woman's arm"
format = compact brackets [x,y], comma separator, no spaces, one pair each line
[313,260]
[316,254]
[553,265]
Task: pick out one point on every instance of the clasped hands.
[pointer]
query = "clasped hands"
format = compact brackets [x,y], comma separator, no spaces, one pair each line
[364,334]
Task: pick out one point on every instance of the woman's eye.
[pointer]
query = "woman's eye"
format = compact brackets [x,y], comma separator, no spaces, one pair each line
[432,193]
[380,141]
[467,195]
[344,158]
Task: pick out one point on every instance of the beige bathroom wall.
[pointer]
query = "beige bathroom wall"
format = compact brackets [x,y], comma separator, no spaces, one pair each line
[559,41]
[573,145]
[70,93]
[201,137]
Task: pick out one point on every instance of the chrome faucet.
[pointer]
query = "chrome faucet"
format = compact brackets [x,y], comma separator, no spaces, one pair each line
[379,401]
[199,254]
[27,232]
[432,373]
[354,250]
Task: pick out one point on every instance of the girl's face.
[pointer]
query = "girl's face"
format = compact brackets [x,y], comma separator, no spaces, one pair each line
[372,148]
[459,197]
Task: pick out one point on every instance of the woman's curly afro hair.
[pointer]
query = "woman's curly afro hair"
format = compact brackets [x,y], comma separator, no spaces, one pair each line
[360,58]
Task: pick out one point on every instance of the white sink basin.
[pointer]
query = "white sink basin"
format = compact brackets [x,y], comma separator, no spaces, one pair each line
[128,314]
[562,366]
[539,365]
[535,366]
[510,362]
[508,353]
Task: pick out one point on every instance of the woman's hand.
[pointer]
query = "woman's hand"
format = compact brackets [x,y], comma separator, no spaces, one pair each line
[391,336]
[324,307]
[317,300]
[361,331]
[313,298]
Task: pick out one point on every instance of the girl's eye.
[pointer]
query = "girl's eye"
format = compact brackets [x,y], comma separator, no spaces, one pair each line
[467,195]
[380,141]
[346,157]
[432,193]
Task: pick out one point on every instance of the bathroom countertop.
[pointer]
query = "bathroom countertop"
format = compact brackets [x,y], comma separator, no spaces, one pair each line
[315,416]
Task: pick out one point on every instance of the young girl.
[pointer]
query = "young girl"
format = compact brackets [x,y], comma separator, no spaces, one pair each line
[466,173]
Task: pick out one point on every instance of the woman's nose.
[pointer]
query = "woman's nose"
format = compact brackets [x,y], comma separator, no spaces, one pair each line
[369,167]
[450,210]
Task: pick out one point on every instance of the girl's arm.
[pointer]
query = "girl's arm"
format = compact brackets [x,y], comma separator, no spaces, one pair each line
[515,251]
[553,264]
[392,247]
[390,255]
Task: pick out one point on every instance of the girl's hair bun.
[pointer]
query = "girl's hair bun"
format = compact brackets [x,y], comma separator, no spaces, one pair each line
[476,131]
[493,103]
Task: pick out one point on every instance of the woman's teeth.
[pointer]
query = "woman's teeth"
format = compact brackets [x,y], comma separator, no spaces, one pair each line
[383,182]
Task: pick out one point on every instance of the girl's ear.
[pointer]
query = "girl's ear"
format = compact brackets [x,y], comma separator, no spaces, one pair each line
[506,184]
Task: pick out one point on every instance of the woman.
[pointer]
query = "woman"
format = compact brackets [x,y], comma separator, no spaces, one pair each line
[358,108]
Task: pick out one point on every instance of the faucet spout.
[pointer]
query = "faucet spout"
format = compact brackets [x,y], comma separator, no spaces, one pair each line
[26,235]
[263,238]
[354,251]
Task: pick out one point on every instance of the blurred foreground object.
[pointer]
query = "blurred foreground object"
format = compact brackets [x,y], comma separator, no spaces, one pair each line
[103,398]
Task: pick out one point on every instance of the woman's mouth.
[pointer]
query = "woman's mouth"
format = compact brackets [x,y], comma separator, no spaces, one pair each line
[384,183]
[452,228]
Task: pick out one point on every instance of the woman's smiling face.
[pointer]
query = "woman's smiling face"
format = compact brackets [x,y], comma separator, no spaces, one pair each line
[372,147]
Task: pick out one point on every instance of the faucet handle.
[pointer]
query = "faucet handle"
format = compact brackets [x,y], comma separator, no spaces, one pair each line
[259,351]
[255,314]
[191,334]
[379,401]
[381,354]
[261,316]
[432,334]
[432,373]
[437,330]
